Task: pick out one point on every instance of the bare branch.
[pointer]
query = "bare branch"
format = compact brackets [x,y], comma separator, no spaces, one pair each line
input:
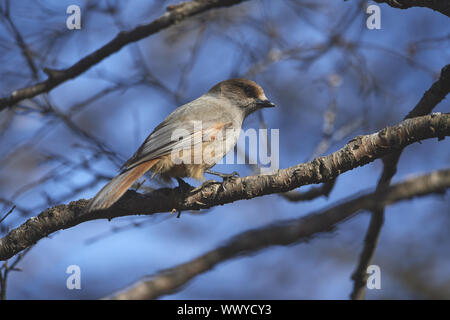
[174,15]
[442,6]
[6,268]
[7,214]
[358,152]
[430,99]
[284,233]
[26,53]
[311,194]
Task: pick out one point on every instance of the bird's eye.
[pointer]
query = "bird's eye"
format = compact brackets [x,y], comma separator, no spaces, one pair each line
[250,92]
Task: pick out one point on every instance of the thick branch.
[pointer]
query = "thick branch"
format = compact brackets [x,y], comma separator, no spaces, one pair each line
[311,194]
[431,98]
[358,152]
[442,6]
[285,233]
[175,14]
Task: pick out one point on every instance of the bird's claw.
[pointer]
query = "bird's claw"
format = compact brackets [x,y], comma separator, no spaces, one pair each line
[225,176]
[204,184]
[183,185]
[231,176]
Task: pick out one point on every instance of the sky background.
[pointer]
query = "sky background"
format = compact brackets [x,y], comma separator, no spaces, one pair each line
[381,75]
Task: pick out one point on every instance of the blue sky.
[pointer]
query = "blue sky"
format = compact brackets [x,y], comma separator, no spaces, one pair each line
[414,231]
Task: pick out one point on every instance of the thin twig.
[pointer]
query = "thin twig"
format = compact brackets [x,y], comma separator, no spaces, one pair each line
[430,99]
[358,152]
[282,233]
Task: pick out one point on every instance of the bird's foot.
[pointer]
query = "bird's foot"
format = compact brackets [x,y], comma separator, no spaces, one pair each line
[175,210]
[205,184]
[224,176]
[184,186]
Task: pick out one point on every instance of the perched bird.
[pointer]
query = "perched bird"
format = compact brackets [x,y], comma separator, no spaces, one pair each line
[191,140]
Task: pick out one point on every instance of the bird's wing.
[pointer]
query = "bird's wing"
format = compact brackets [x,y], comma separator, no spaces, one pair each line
[183,129]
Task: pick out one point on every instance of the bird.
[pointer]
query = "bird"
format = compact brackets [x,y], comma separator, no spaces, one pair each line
[191,140]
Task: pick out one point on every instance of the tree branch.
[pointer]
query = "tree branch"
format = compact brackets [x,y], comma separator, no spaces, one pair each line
[442,6]
[431,98]
[284,233]
[174,15]
[311,194]
[358,152]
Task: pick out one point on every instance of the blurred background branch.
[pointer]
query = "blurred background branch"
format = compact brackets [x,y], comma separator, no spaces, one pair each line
[360,151]
[433,96]
[283,233]
[332,79]
[441,6]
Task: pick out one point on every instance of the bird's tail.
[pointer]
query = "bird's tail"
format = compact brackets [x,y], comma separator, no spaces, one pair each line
[114,189]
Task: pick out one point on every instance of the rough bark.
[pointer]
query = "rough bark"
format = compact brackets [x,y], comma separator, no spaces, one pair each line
[284,233]
[358,152]
[442,6]
[174,15]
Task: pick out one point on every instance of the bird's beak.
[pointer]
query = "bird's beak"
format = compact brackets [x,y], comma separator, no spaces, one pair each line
[264,103]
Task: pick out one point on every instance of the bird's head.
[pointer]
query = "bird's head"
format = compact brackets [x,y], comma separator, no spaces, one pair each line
[243,93]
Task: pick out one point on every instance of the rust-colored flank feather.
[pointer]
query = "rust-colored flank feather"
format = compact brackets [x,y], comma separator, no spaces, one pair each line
[111,192]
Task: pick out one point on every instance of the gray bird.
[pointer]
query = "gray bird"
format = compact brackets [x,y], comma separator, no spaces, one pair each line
[208,128]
